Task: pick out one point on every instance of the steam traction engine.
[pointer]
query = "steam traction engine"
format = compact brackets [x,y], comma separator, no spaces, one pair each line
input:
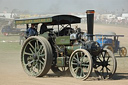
[66,50]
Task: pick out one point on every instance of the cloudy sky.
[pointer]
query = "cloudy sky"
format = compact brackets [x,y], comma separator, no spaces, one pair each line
[63,6]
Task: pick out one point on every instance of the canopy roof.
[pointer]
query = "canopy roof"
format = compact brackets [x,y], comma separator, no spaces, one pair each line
[54,20]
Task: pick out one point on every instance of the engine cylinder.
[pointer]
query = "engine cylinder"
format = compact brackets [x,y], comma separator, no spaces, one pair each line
[93,47]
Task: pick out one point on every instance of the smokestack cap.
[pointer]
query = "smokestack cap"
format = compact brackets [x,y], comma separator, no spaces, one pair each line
[90,11]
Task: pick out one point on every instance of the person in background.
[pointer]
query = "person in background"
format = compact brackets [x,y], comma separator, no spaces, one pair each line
[32,31]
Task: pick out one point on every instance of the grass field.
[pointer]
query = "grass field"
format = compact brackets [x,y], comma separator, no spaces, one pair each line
[7,47]
[9,44]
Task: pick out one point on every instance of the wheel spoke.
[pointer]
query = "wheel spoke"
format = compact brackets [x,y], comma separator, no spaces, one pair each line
[76,70]
[74,63]
[28,53]
[85,65]
[35,67]
[40,49]
[40,65]
[35,48]
[77,56]
[29,62]
[98,65]
[82,73]
[43,58]
[38,53]
[76,59]
[29,58]
[31,45]
[42,55]
[83,58]
[108,59]
[99,59]
[37,44]
[103,73]
[101,69]
[41,62]
[82,54]
[103,55]
[108,69]
[31,50]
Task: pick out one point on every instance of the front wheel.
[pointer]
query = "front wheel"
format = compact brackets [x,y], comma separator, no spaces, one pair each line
[80,64]
[105,64]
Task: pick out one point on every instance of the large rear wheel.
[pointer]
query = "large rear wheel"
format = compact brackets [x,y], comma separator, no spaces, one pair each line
[36,56]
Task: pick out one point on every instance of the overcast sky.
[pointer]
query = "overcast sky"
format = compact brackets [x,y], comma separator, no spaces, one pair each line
[63,6]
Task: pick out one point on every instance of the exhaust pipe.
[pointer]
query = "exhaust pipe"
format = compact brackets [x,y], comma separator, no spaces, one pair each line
[90,22]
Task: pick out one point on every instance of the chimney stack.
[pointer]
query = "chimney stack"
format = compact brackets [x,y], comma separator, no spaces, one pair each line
[90,22]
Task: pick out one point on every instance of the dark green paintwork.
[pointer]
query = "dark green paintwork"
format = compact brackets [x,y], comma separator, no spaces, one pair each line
[33,20]
[63,40]
[60,61]
[71,49]
[45,35]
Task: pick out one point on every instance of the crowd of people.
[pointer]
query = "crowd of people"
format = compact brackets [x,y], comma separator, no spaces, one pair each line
[112,20]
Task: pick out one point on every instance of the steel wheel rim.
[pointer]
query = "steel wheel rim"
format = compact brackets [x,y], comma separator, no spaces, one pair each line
[105,65]
[80,65]
[36,55]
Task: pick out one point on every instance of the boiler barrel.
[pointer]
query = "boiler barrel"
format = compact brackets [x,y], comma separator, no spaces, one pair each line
[70,49]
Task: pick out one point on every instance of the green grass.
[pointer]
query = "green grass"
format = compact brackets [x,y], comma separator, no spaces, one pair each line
[9,47]
[9,38]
